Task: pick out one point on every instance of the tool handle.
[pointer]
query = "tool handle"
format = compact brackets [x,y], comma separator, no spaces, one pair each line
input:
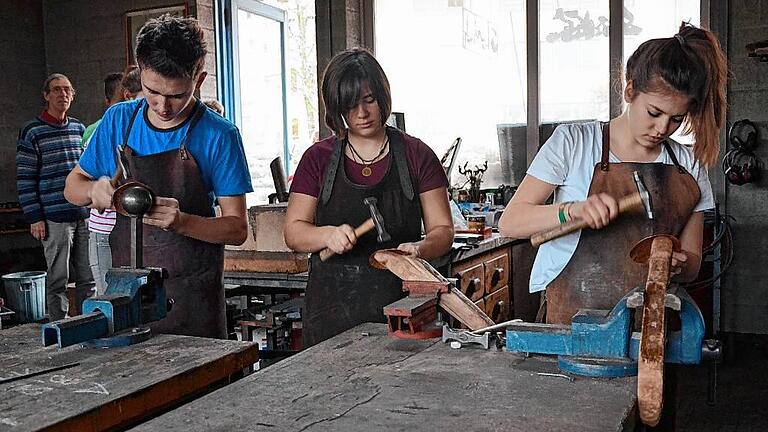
[359,231]
[626,203]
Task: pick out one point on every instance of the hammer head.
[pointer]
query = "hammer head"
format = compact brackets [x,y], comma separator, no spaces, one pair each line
[644,195]
[378,221]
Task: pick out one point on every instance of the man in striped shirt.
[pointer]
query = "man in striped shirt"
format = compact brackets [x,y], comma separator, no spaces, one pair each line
[47,150]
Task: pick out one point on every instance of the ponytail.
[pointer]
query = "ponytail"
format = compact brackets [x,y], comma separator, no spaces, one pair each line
[692,63]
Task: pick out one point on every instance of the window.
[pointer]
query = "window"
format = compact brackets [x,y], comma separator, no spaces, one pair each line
[457,69]
[272,68]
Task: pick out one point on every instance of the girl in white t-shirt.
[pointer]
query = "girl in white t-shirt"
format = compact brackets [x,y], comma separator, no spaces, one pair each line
[670,81]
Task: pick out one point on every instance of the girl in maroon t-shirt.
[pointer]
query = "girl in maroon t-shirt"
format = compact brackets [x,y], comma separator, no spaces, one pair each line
[363,159]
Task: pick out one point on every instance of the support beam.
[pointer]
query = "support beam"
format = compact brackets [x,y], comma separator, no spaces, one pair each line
[532,70]
[616,55]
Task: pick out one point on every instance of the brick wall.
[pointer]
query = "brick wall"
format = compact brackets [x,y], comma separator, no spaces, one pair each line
[23,66]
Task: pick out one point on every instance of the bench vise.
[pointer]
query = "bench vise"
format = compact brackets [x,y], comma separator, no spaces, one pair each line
[600,343]
[135,295]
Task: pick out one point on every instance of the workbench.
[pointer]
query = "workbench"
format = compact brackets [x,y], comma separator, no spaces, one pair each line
[365,380]
[109,387]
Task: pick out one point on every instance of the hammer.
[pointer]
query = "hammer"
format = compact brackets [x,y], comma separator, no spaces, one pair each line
[375,221]
[626,203]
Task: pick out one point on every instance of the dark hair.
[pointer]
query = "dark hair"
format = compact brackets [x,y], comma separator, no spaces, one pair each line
[131,79]
[692,63]
[342,83]
[171,46]
[51,77]
[111,84]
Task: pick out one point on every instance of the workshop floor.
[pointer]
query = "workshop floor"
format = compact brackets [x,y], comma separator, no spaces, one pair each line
[742,391]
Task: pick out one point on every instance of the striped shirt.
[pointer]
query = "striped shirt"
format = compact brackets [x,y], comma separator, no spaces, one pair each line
[45,154]
[102,223]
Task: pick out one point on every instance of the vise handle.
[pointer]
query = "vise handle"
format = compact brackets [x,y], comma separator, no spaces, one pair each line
[626,203]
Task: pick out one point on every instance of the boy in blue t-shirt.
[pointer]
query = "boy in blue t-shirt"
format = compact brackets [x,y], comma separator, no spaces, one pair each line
[187,155]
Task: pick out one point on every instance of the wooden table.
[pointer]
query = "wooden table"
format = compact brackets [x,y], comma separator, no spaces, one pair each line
[364,380]
[110,386]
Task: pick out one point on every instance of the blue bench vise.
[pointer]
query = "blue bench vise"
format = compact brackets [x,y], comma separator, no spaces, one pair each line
[601,343]
[135,295]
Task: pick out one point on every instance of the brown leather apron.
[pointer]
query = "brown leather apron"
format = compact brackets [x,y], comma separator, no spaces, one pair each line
[195,268]
[600,271]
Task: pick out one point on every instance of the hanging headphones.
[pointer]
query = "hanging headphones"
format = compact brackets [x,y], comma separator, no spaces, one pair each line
[740,165]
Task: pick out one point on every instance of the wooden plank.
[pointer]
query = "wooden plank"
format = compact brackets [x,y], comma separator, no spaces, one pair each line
[364,380]
[110,387]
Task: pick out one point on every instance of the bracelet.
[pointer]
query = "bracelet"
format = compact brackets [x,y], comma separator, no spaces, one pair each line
[561,213]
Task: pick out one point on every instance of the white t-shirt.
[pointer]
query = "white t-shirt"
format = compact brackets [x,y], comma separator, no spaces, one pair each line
[567,160]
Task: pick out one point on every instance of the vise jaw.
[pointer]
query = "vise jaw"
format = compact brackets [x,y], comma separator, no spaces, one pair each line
[134,296]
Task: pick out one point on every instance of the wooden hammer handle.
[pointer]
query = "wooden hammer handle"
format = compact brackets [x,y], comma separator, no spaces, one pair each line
[359,231]
[626,203]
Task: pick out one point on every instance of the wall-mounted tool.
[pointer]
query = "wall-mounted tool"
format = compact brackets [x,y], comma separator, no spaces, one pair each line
[375,221]
[639,199]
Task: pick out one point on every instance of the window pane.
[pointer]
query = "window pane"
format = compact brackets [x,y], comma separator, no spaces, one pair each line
[573,47]
[301,68]
[261,98]
[456,69]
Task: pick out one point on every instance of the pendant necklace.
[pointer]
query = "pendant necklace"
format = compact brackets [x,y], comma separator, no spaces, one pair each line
[367,171]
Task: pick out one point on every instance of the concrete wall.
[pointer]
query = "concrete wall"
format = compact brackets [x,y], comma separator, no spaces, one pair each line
[82,39]
[85,40]
[23,66]
[744,302]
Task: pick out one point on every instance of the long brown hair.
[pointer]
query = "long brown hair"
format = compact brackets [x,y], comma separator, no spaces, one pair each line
[342,87]
[692,63]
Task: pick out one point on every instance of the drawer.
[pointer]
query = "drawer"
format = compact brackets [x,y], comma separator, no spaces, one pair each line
[497,305]
[472,282]
[496,273]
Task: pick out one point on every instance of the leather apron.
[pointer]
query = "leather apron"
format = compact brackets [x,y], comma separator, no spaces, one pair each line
[600,271]
[195,268]
[345,291]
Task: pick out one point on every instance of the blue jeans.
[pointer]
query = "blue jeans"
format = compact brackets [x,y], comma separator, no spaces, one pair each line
[101,259]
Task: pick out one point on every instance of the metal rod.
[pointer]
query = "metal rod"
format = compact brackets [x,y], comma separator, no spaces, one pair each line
[496,326]
[40,372]
[137,242]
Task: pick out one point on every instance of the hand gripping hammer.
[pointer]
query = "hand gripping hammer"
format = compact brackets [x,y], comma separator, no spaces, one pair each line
[375,221]
[626,203]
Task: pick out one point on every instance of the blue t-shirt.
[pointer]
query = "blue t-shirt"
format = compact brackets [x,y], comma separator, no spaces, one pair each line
[215,143]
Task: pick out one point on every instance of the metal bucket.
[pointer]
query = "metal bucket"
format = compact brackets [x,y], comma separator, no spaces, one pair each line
[26,295]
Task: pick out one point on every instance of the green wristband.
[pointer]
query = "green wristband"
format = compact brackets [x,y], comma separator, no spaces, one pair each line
[561,213]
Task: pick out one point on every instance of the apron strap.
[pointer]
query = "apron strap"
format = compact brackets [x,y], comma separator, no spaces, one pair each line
[398,153]
[196,116]
[330,172]
[604,159]
[130,123]
[674,158]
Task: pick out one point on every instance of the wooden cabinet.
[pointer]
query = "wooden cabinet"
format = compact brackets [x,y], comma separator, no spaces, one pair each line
[485,279]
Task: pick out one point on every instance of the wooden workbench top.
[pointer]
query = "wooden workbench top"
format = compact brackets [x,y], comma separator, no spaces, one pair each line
[110,386]
[364,380]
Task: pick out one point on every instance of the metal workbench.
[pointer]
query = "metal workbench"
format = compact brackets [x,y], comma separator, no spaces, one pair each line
[364,380]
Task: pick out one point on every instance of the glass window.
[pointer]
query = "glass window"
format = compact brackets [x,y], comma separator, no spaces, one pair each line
[456,69]
[573,48]
[274,65]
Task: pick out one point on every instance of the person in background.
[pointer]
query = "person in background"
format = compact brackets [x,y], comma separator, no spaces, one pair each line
[47,150]
[187,155]
[670,82]
[100,224]
[214,105]
[363,158]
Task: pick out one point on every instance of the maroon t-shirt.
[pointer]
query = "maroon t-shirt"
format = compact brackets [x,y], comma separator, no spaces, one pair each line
[426,170]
